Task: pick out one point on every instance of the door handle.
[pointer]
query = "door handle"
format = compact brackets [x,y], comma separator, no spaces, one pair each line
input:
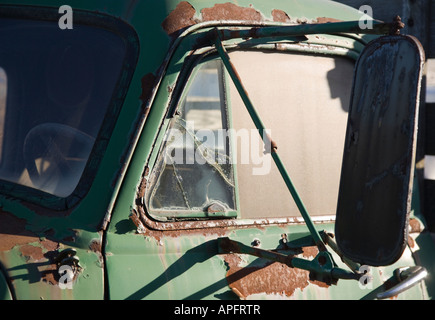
[407,277]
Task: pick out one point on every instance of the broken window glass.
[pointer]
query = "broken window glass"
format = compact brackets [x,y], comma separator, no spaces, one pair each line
[194,173]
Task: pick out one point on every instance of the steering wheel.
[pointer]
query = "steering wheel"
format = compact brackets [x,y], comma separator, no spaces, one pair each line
[54,154]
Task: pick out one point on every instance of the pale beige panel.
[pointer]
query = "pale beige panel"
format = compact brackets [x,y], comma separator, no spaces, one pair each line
[303,100]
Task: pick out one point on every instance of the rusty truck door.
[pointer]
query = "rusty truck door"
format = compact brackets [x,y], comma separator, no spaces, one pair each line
[200,217]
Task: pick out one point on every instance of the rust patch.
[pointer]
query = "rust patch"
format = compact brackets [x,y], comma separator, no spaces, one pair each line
[230,11]
[414,225]
[310,252]
[49,272]
[38,251]
[154,228]
[50,275]
[411,242]
[280,16]
[13,232]
[220,228]
[43,261]
[142,188]
[31,253]
[272,278]
[181,17]
[320,283]
[327,20]
[95,246]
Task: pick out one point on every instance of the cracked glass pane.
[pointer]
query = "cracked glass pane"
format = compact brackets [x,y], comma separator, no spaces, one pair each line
[194,170]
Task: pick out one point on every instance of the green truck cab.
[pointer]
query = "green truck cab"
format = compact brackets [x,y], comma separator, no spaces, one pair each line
[209,150]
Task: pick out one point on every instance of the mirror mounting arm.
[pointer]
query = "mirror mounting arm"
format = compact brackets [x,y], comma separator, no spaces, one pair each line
[328,239]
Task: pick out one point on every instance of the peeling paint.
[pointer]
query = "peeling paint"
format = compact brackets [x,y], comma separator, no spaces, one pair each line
[230,11]
[40,260]
[327,20]
[185,15]
[181,17]
[95,246]
[31,253]
[411,242]
[273,278]
[215,228]
[37,252]
[266,278]
[280,16]
[13,232]
[415,225]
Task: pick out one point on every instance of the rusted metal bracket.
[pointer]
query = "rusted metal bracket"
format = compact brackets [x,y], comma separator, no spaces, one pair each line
[321,268]
[396,26]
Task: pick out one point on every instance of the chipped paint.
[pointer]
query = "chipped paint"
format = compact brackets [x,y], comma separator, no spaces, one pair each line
[157,229]
[38,251]
[230,11]
[13,232]
[415,225]
[273,278]
[327,20]
[181,17]
[185,15]
[263,278]
[280,16]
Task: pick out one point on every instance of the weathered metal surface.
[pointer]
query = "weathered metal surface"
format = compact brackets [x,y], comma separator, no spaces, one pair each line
[379,155]
[321,267]
[181,17]
[5,290]
[32,263]
[142,258]
[174,238]
[260,278]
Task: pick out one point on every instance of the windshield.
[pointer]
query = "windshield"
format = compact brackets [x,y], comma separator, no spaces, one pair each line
[55,88]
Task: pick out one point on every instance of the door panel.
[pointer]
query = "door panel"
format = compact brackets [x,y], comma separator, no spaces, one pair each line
[169,247]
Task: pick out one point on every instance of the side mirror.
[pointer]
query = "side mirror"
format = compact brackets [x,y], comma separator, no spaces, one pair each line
[374,199]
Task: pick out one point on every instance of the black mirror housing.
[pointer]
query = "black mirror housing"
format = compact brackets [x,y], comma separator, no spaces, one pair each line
[375,192]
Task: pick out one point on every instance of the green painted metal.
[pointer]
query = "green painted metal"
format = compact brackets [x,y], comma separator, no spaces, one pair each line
[118,261]
[5,292]
[322,267]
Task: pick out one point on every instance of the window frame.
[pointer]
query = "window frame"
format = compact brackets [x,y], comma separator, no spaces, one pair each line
[330,45]
[157,152]
[127,34]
